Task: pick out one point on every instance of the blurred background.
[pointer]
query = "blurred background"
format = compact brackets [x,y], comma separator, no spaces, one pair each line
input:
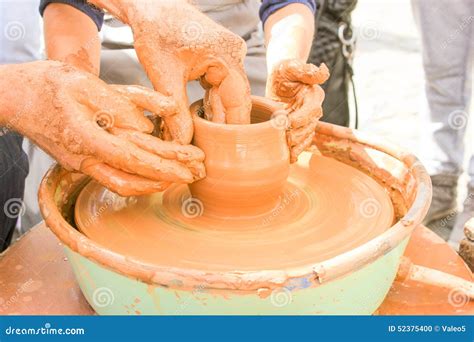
[389,80]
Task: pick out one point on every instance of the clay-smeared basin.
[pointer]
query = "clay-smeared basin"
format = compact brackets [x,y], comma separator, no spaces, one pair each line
[346,281]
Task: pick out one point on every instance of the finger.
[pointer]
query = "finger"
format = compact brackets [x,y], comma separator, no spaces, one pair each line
[190,156]
[168,76]
[298,136]
[296,150]
[111,107]
[310,108]
[227,97]
[213,108]
[307,73]
[120,182]
[126,156]
[234,94]
[210,70]
[148,99]
[299,98]
[286,90]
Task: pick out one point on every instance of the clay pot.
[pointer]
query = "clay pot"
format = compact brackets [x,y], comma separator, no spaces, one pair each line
[246,166]
[353,282]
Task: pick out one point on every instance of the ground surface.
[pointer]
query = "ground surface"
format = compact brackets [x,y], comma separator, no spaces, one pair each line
[389,76]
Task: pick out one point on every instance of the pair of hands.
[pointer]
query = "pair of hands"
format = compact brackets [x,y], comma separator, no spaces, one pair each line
[101,130]
[176,43]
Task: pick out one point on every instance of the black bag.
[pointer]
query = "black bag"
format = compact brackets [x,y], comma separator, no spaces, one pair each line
[333,45]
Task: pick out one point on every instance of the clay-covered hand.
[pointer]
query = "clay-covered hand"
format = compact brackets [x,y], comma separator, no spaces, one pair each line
[177,43]
[100,130]
[296,85]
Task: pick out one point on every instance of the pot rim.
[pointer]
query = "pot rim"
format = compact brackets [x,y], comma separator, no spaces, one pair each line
[316,274]
[256,100]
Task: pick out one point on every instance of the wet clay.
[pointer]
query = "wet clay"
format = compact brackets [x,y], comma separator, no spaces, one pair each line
[252,211]
[177,43]
[326,208]
[296,85]
[95,128]
[247,166]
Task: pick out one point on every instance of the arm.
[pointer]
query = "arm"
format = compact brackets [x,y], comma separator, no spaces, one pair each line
[289,34]
[8,87]
[289,31]
[95,128]
[176,43]
[71,36]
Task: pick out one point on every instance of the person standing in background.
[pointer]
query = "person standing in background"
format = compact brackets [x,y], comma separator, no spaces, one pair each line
[20,41]
[446,29]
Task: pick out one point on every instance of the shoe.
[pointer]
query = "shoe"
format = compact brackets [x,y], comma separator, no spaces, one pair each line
[443,203]
[467,213]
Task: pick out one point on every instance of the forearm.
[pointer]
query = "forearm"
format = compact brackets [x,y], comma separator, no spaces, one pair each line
[289,34]
[9,98]
[71,37]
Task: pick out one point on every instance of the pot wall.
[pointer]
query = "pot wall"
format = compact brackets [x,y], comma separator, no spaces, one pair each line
[246,165]
[359,293]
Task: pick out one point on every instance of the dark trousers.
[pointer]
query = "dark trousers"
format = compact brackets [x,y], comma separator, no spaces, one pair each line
[336,88]
[13,171]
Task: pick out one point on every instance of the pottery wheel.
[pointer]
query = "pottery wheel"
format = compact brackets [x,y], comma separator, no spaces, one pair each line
[327,208]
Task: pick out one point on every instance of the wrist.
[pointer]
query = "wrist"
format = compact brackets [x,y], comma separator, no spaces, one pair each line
[20,89]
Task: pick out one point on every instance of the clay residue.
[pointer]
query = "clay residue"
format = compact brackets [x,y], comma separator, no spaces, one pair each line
[176,43]
[296,84]
[98,129]
[329,208]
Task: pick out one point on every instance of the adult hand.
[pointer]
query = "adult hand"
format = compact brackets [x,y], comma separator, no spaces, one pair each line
[296,85]
[100,130]
[176,43]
